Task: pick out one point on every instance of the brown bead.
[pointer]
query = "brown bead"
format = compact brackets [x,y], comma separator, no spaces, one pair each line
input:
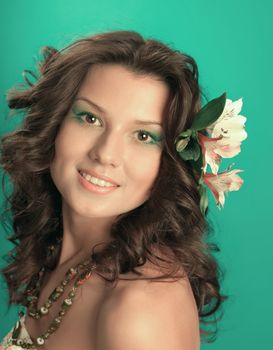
[62,313]
[48,304]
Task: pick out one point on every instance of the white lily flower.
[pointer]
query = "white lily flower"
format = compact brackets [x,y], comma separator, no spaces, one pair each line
[230,124]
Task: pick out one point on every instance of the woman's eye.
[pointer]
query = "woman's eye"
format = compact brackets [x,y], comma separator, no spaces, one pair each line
[89,118]
[143,136]
[147,137]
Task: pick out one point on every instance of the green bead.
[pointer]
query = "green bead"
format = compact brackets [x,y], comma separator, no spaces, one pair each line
[65,307]
[68,301]
[55,296]
[66,304]
[31,312]
[60,289]
[71,294]
[55,323]
[83,275]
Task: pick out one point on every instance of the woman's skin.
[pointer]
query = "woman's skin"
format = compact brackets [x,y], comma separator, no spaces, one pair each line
[122,143]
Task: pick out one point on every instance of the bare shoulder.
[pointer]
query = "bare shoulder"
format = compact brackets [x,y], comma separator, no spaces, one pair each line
[150,315]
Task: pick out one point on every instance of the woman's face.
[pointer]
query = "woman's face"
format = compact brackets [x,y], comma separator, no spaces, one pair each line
[113,133]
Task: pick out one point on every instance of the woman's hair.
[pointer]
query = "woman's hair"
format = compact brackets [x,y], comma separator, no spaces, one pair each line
[169,222]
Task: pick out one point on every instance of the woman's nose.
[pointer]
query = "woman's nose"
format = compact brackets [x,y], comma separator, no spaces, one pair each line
[107,149]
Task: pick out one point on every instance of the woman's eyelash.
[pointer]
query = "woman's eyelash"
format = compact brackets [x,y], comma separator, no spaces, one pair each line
[154,139]
[90,115]
[151,137]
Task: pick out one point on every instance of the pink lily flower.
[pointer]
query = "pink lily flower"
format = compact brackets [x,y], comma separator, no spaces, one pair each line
[223,182]
[214,149]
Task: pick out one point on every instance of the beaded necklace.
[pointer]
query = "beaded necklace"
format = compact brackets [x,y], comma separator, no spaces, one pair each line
[83,271]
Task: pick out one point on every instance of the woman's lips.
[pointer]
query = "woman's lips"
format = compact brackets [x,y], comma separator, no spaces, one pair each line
[95,188]
[97,175]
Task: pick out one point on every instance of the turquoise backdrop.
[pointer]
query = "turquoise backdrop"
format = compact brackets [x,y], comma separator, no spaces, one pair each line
[232,44]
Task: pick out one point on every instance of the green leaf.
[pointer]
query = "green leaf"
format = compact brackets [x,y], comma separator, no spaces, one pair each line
[16,330]
[204,199]
[197,165]
[181,144]
[209,113]
[186,133]
[192,151]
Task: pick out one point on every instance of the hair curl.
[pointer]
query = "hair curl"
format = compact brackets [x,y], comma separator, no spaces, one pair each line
[170,220]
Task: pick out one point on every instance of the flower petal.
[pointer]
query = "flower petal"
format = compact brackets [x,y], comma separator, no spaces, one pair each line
[214,149]
[227,148]
[230,123]
[232,128]
[232,109]
[221,183]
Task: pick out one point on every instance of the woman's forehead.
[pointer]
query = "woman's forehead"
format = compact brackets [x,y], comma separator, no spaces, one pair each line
[113,88]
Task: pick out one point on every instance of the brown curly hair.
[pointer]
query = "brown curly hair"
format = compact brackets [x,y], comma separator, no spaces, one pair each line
[170,221]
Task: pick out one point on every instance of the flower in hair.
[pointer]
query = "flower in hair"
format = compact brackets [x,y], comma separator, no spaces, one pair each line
[214,149]
[216,132]
[222,183]
[230,124]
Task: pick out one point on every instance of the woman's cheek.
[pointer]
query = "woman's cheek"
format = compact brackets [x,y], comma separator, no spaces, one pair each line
[144,166]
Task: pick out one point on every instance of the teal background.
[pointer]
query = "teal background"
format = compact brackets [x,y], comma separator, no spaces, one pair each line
[232,44]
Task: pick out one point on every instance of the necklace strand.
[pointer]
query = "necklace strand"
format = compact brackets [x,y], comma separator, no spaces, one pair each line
[67,303]
[36,313]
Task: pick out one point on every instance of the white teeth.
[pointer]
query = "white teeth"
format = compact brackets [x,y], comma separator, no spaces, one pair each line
[94,180]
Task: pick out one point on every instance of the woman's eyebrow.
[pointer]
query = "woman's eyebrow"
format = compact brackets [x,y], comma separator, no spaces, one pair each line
[91,103]
[147,122]
[101,110]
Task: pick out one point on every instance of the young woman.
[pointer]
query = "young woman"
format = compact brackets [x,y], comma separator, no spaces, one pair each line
[103,206]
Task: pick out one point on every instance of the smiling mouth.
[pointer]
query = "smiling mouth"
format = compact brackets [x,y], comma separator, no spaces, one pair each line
[96,181]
